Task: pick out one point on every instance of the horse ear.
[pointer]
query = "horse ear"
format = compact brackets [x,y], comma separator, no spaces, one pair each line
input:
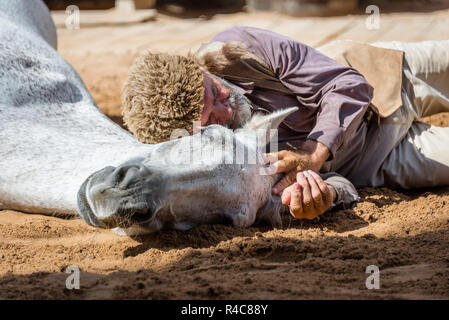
[264,127]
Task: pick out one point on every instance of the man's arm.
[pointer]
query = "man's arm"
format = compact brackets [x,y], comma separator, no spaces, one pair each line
[337,96]
[347,194]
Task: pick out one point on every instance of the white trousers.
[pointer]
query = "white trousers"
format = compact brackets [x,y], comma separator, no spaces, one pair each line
[404,152]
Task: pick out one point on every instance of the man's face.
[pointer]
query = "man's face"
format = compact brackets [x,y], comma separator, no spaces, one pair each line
[216,109]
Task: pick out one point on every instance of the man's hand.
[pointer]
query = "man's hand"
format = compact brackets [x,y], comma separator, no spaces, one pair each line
[309,197]
[311,156]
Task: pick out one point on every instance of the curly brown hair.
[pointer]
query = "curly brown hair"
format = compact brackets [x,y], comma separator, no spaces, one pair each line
[163,92]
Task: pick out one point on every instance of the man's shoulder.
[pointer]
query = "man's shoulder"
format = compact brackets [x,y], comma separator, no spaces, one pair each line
[245,33]
[235,33]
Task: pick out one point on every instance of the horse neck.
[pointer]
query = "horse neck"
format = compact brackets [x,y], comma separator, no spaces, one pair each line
[47,153]
[52,134]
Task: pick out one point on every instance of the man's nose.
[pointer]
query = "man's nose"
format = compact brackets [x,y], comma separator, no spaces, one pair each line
[226,93]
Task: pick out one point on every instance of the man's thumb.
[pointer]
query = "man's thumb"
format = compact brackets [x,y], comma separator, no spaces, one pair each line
[286,181]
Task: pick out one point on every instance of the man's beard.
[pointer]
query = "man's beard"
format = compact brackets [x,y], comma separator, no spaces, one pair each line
[241,106]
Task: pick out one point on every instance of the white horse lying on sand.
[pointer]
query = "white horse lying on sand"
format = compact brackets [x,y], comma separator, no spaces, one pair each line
[60,154]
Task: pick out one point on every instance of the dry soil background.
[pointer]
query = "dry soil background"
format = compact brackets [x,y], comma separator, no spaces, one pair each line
[404,233]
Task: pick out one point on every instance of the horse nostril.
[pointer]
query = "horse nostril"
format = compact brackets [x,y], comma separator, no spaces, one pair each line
[118,196]
[126,175]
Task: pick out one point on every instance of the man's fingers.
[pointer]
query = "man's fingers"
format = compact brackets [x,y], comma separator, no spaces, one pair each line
[285,165]
[306,193]
[271,157]
[280,166]
[282,161]
[325,190]
[286,195]
[314,190]
[323,185]
[286,181]
[295,202]
[307,197]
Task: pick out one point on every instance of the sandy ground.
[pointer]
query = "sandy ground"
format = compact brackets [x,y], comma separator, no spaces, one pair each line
[404,233]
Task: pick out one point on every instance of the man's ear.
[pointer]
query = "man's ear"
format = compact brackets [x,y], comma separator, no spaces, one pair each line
[264,127]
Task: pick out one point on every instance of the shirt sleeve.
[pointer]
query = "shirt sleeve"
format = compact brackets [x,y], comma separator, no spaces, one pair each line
[339,95]
[347,194]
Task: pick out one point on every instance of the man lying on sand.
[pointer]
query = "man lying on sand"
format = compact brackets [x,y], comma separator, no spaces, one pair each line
[358,112]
